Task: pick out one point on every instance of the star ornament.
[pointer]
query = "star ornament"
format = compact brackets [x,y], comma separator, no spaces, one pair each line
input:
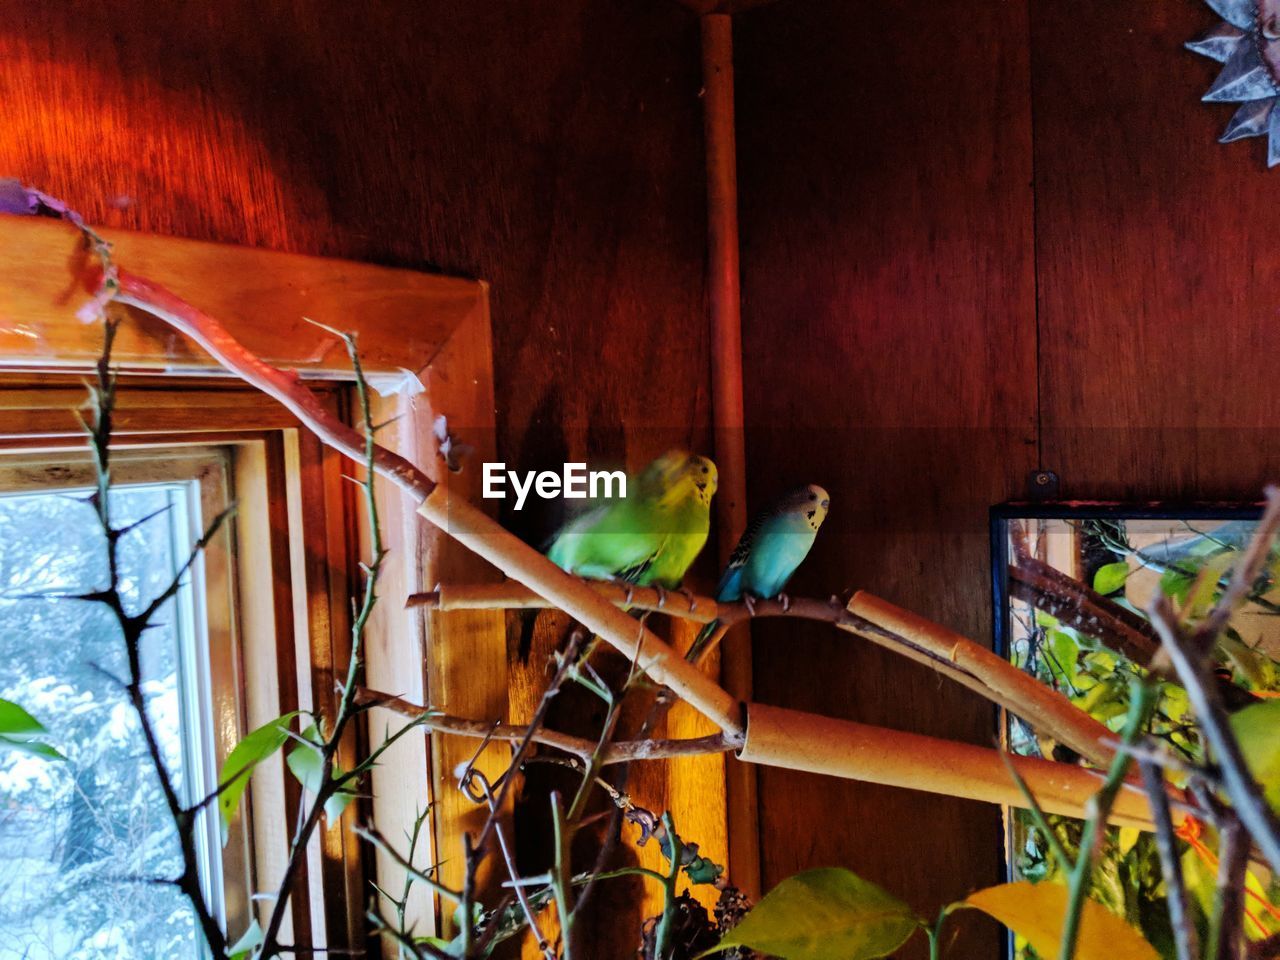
[1247,44]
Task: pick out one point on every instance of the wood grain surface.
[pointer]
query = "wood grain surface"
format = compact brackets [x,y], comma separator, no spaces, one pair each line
[884,165]
[266,299]
[1159,272]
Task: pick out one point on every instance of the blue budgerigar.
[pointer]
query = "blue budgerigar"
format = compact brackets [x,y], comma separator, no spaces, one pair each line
[774,544]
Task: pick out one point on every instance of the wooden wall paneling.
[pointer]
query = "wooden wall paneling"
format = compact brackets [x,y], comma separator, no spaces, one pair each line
[884,170]
[552,149]
[1159,271]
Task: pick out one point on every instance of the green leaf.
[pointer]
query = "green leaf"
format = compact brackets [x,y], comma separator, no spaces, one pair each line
[454,947]
[1066,652]
[1126,839]
[701,870]
[1254,665]
[334,806]
[1177,583]
[33,747]
[17,723]
[1204,588]
[307,765]
[19,730]
[1110,577]
[450,948]
[825,914]
[695,866]
[245,945]
[1035,911]
[241,761]
[1255,728]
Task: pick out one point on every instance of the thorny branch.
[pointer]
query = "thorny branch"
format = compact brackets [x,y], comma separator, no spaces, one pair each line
[133,626]
[1246,573]
[1226,927]
[1185,936]
[1237,781]
[1248,816]
[616,752]
[286,388]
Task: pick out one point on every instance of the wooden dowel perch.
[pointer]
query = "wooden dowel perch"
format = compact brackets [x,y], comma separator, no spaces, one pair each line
[765,734]
[867,616]
[777,737]
[984,672]
[490,540]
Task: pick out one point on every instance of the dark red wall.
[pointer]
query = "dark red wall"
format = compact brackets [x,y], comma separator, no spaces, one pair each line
[889,315]
[552,149]
[980,239]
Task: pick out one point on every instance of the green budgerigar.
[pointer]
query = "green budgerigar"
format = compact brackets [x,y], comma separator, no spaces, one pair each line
[651,536]
[774,544]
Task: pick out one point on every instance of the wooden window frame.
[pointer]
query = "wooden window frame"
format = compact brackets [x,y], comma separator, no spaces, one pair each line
[425,342]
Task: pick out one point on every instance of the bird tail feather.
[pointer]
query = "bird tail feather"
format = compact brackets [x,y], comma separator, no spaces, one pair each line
[703,638]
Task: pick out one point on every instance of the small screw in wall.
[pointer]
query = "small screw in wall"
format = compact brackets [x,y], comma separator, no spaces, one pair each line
[1042,485]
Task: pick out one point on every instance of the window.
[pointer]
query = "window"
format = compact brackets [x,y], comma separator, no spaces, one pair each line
[74,831]
[250,636]
[294,539]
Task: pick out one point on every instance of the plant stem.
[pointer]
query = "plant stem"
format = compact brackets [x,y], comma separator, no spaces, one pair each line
[1246,796]
[1037,816]
[134,626]
[346,709]
[1225,928]
[666,924]
[1140,698]
[1184,929]
[623,751]
[561,881]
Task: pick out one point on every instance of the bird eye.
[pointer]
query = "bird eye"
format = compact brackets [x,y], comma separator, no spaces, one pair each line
[705,468]
[826,504]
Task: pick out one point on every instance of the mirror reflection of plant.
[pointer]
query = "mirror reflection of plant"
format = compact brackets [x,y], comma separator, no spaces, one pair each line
[1196,571]
[1130,878]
